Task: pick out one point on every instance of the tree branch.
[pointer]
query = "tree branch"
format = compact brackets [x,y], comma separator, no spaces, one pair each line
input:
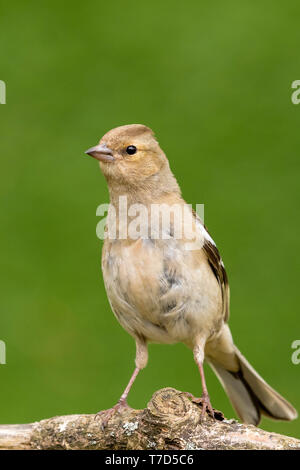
[170,421]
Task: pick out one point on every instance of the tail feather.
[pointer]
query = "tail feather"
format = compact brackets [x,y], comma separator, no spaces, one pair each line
[250,395]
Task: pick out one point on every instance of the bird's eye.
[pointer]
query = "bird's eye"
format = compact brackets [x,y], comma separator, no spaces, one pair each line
[131,149]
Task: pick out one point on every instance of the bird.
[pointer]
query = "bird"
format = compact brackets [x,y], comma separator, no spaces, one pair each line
[167,287]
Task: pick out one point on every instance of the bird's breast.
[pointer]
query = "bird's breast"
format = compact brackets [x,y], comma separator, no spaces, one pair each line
[157,289]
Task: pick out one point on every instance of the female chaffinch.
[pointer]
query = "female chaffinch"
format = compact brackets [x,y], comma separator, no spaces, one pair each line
[162,288]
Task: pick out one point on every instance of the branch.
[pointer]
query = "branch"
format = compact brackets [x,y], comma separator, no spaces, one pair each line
[171,421]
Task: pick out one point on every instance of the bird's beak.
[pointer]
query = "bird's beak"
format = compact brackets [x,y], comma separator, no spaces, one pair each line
[101,153]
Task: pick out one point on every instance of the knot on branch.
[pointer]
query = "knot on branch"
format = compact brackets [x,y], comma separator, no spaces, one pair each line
[168,406]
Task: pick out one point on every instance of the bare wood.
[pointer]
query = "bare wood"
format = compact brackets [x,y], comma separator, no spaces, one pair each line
[170,421]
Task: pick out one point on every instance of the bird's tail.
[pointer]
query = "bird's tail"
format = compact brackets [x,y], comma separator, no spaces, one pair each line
[250,395]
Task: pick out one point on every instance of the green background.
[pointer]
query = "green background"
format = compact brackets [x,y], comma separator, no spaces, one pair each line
[213,80]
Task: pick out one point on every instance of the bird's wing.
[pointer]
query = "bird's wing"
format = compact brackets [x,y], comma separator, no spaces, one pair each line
[217,266]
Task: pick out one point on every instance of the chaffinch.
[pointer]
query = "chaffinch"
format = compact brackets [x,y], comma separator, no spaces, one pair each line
[169,288]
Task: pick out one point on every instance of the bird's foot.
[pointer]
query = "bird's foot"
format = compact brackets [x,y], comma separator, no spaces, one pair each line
[106,415]
[206,406]
[207,409]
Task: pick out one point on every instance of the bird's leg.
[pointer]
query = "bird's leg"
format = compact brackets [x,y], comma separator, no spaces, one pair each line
[141,360]
[204,400]
[122,403]
[206,405]
[123,400]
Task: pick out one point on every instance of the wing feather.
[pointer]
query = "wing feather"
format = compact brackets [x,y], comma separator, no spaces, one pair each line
[217,266]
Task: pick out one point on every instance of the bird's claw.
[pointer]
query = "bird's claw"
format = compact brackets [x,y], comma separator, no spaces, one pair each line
[106,415]
[206,406]
[207,409]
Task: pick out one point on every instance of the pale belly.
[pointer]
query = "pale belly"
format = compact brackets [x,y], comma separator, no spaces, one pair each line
[160,291]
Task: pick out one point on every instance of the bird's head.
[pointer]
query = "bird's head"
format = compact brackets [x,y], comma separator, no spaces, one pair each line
[131,157]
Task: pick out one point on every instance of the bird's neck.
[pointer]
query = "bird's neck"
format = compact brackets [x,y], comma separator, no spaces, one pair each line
[157,189]
[137,203]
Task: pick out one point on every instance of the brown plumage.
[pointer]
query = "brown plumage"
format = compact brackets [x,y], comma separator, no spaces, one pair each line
[162,290]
